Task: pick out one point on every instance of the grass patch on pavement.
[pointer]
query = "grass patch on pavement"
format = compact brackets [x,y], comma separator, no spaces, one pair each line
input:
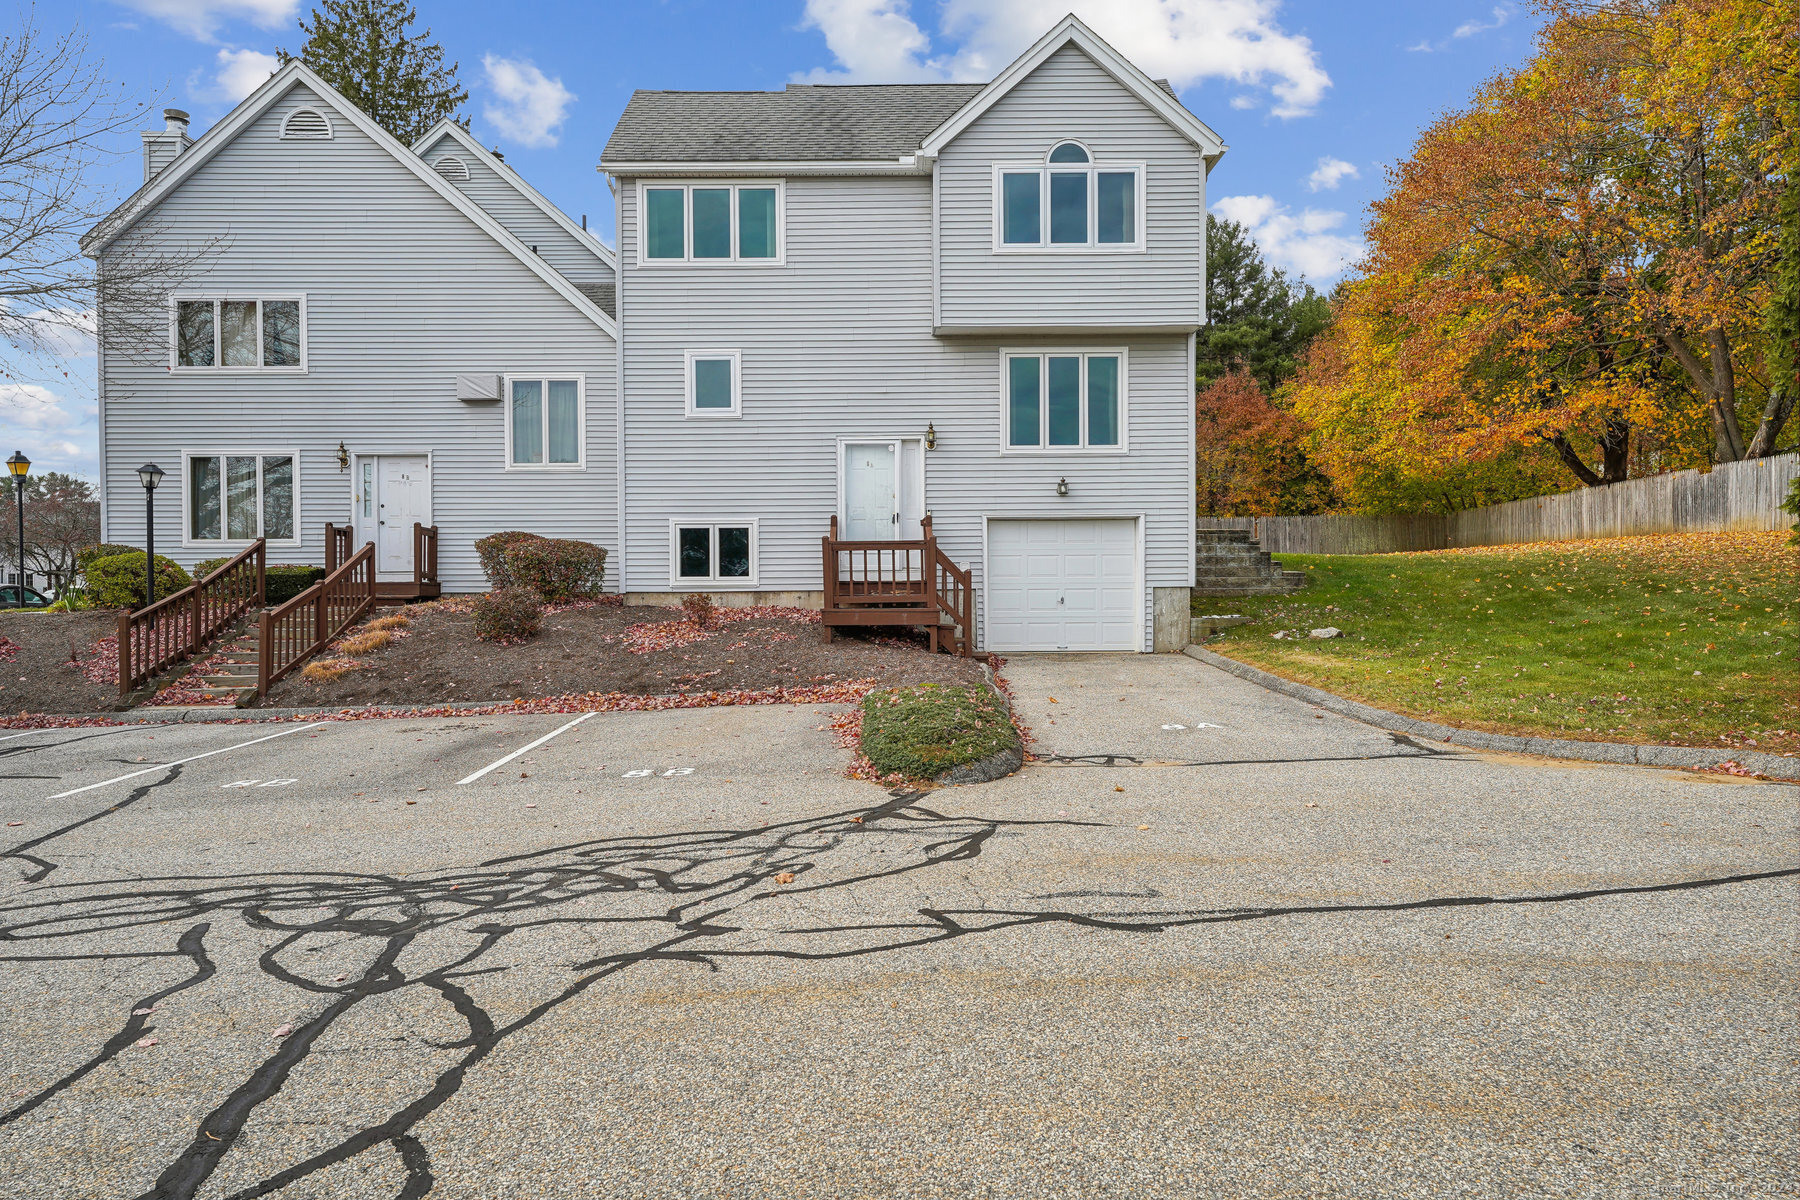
[922,732]
[1690,639]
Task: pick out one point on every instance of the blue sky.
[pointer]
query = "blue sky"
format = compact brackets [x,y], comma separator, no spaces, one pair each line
[1313,97]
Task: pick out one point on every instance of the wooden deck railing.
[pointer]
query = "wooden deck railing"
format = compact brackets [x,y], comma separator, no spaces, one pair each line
[181,625]
[295,631]
[425,550]
[898,583]
[337,546]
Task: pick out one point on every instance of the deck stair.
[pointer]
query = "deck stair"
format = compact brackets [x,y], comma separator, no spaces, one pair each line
[1229,562]
[900,582]
[234,676]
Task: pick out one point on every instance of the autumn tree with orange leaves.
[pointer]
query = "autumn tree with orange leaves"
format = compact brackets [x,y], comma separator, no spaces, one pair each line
[1583,263]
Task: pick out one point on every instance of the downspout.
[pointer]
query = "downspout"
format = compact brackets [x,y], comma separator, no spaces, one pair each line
[612,184]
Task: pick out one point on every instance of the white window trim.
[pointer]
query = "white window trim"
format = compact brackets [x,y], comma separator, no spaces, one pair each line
[190,542]
[680,582]
[330,131]
[688,358]
[687,187]
[1094,168]
[175,303]
[544,377]
[1085,352]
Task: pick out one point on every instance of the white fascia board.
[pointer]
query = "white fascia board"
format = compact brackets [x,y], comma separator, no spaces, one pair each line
[910,165]
[467,141]
[1070,29]
[259,102]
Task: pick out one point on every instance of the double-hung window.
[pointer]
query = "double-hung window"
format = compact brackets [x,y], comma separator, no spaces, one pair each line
[264,334]
[545,425]
[1069,202]
[722,553]
[711,222]
[241,497]
[1064,400]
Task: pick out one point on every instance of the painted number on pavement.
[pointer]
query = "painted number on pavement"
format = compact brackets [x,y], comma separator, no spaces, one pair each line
[260,783]
[671,773]
[1195,725]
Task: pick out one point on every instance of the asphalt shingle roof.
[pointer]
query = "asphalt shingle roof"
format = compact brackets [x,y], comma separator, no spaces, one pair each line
[806,122]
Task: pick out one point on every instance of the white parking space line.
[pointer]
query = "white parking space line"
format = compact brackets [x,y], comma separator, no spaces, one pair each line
[524,749]
[69,729]
[194,758]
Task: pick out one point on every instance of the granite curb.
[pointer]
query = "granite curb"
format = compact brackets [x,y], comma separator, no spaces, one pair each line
[1625,753]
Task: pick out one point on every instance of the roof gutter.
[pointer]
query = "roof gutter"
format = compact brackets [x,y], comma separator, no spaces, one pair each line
[912,164]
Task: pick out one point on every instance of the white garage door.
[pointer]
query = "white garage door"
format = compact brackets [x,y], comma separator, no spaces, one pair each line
[1063,585]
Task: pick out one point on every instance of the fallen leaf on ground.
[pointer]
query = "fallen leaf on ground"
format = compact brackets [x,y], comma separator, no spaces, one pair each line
[283,1031]
[142,1012]
[785,877]
[144,1043]
[1143,827]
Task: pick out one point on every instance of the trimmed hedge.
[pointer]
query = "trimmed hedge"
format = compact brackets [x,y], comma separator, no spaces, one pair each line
[558,570]
[508,615]
[927,731]
[88,554]
[118,580]
[492,552]
[281,581]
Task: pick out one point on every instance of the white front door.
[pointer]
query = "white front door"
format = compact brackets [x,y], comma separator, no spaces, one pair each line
[393,491]
[871,492]
[1063,585]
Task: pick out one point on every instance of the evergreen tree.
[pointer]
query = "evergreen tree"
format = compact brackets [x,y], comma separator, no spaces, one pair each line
[362,48]
[1256,319]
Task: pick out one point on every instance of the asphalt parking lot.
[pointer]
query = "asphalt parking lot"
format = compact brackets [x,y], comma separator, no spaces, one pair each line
[1214,943]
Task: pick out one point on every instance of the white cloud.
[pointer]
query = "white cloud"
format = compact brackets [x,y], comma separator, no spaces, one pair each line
[201,19]
[1329,173]
[61,333]
[53,433]
[1184,41]
[1467,29]
[532,105]
[242,72]
[1305,244]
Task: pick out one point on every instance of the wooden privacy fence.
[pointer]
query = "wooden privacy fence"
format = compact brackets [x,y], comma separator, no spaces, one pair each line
[1741,496]
[295,631]
[181,625]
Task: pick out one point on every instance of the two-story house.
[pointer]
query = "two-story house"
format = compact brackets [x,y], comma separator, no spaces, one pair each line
[861,302]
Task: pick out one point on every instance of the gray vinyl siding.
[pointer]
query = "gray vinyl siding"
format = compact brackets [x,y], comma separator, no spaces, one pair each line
[838,343]
[1069,96]
[523,219]
[403,293]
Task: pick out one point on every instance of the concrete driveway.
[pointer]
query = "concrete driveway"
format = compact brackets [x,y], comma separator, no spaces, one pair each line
[1215,943]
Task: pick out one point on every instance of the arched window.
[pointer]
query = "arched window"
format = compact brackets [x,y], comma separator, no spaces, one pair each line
[1069,201]
[452,168]
[306,124]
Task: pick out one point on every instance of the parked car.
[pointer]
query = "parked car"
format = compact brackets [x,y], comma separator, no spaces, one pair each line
[9,597]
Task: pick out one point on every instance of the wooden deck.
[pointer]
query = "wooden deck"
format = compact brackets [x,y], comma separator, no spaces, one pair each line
[424,584]
[898,583]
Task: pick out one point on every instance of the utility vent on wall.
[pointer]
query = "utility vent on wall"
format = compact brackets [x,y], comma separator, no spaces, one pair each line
[307,124]
[452,168]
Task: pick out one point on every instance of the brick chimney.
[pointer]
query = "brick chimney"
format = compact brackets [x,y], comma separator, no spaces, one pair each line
[162,145]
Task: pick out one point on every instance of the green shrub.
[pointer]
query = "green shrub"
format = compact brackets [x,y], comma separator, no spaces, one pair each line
[508,615]
[558,570]
[207,566]
[118,581]
[284,581]
[88,554]
[492,552]
[1792,505]
[926,731]
[73,600]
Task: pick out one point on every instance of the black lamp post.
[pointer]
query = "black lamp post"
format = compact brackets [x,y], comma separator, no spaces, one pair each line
[150,475]
[18,464]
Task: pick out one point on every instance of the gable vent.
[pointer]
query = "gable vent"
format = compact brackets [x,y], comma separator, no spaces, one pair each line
[452,168]
[307,124]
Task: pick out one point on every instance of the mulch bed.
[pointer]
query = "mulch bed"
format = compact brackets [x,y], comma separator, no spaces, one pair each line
[610,649]
[36,674]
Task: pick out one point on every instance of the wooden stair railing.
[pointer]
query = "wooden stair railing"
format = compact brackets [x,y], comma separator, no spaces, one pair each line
[954,590]
[425,554]
[294,631]
[337,546]
[181,625]
[898,583]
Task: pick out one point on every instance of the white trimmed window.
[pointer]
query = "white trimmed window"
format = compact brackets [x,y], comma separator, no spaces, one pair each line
[1063,400]
[713,383]
[236,497]
[721,554]
[546,422]
[209,333]
[1069,202]
[711,223]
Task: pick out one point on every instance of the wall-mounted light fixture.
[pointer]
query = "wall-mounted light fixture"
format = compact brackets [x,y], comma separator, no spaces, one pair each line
[1062,487]
[930,436]
[343,458]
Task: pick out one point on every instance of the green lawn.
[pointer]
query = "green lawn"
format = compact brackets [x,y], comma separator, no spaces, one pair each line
[1690,639]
